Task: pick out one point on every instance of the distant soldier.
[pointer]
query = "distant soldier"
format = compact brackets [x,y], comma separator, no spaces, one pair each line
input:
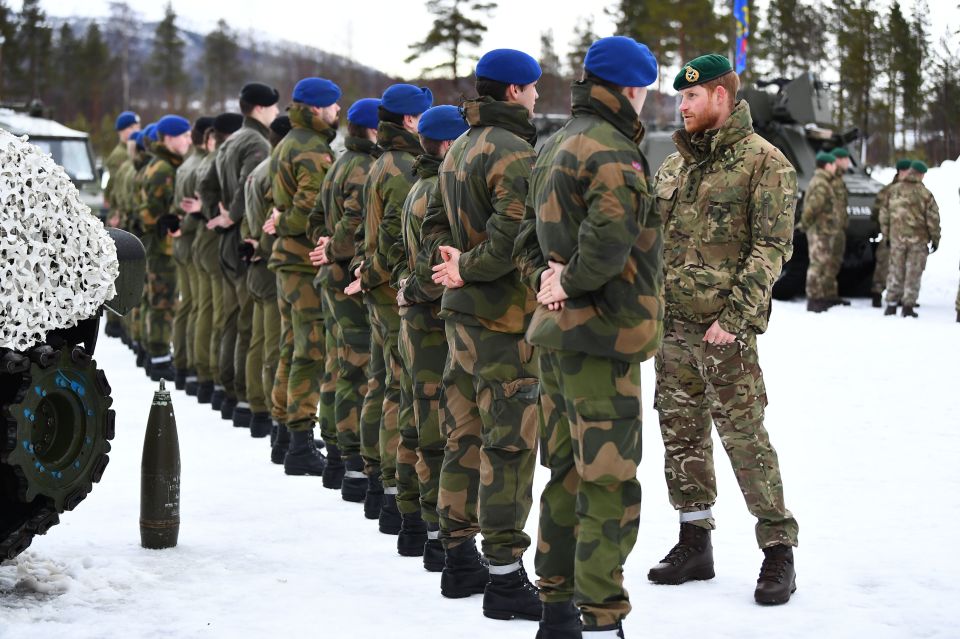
[821,226]
[882,254]
[127,123]
[591,247]
[840,201]
[727,199]
[910,218]
[491,385]
[297,167]
[345,316]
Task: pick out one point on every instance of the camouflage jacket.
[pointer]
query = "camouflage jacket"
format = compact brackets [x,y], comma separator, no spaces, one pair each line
[840,200]
[113,163]
[338,212]
[819,205]
[727,202]
[122,200]
[419,287]
[483,187]
[882,198]
[589,208]
[297,168]
[384,193]
[157,198]
[910,214]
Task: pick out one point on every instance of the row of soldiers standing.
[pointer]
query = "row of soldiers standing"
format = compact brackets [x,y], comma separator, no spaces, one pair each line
[449,302]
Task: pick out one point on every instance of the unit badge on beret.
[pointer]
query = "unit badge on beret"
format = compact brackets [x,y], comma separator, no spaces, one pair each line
[691,74]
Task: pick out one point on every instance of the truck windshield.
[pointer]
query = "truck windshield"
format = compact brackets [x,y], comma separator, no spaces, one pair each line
[72,155]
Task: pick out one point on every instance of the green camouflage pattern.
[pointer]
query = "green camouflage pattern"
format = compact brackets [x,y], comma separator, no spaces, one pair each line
[302,322]
[385,388]
[589,208]
[727,201]
[696,382]
[910,213]
[115,159]
[907,262]
[821,224]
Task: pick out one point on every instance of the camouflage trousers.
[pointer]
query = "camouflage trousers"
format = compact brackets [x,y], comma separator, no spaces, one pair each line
[301,349]
[161,300]
[486,480]
[697,382]
[383,390]
[263,356]
[423,350]
[590,507]
[907,261]
[881,267]
[235,339]
[352,336]
[182,329]
[327,404]
[824,267]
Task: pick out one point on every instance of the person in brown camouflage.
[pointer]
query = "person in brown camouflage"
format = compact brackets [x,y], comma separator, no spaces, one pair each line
[840,200]
[819,223]
[882,254]
[727,198]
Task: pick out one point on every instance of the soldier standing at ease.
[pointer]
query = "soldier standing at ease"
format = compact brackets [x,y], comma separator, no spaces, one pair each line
[298,166]
[591,247]
[820,223]
[127,123]
[882,255]
[490,382]
[842,220]
[910,220]
[727,199]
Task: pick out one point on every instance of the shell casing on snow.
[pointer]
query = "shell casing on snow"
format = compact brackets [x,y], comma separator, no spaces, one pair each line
[160,476]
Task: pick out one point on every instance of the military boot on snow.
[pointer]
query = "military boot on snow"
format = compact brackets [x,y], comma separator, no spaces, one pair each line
[280,445]
[227,407]
[333,473]
[141,352]
[614,631]
[777,580]
[464,573]
[389,514]
[302,457]
[817,306]
[161,368]
[876,300]
[191,385]
[204,392]
[908,311]
[413,535]
[690,559]
[510,595]
[433,559]
[958,317]
[560,620]
[837,301]
[373,500]
[354,485]
[242,415]
[890,310]
[216,400]
[261,424]
[180,378]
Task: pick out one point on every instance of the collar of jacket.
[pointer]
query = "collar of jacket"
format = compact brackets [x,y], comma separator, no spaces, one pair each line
[391,137]
[163,153]
[256,125]
[589,98]
[427,166]
[359,145]
[302,118]
[911,178]
[823,172]
[515,118]
[736,127]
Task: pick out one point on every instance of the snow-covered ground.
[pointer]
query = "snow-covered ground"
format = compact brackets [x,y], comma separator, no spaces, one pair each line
[864,412]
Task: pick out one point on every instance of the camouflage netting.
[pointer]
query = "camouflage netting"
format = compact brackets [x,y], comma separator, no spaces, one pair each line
[57,262]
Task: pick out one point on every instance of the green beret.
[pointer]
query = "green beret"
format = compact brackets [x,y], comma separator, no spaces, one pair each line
[840,152]
[904,164]
[826,158]
[703,69]
[918,166]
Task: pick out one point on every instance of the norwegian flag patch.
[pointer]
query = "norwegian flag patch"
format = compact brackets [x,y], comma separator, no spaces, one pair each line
[638,166]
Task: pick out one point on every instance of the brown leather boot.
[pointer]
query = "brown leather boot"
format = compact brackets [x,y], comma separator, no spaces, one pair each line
[690,559]
[817,306]
[908,311]
[890,310]
[778,579]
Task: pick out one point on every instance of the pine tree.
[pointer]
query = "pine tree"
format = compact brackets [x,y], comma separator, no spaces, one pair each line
[8,32]
[583,37]
[221,66]
[94,73]
[918,54]
[896,41]
[121,28]
[166,61]
[857,25]
[66,66]
[793,39]
[453,31]
[34,41]
[552,88]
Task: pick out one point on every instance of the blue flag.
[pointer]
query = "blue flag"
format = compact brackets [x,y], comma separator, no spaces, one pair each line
[741,13]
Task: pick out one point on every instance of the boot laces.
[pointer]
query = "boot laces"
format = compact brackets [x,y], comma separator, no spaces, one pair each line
[525,584]
[773,568]
[684,548]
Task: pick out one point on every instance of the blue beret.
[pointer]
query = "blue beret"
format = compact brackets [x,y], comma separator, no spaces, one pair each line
[363,113]
[318,92]
[127,118]
[622,61]
[137,136]
[444,122]
[508,66]
[172,125]
[150,131]
[406,99]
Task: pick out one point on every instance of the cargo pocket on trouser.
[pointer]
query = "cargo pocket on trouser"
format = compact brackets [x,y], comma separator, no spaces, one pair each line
[426,411]
[513,417]
[607,439]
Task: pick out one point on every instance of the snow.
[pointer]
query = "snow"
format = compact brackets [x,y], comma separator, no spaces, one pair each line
[863,412]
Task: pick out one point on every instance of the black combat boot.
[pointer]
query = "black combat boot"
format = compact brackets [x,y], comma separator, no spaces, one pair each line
[333,473]
[560,621]
[204,392]
[433,560]
[280,445]
[373,500]
[216,400]
[613,631]
[191,385]
[261,425]
[413,535]
[908,311]
[389,514]
[354,485]
[777,580]
[958,317]
[876,300]
[691,558]
[464,573]
[303,458]
[227,407]
[141,352]
[817,305]
[113,329]
[511,595]
[890,310]
[838,301]
[161,367]
[241,415]
[180,378]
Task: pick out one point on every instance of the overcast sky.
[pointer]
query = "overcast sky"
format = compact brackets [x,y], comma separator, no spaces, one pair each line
[377,32]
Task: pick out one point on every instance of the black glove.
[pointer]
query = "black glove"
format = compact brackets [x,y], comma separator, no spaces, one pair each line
[246,252]
[168,222]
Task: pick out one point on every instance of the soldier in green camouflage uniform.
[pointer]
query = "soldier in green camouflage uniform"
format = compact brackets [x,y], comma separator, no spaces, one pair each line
[345,316]
[490,381]
[882,254]
[910,218]
[131,223]
[384,192]
[820,223]
[149,143]
[727,199]
[298,167]
[591,242]
[842,220]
